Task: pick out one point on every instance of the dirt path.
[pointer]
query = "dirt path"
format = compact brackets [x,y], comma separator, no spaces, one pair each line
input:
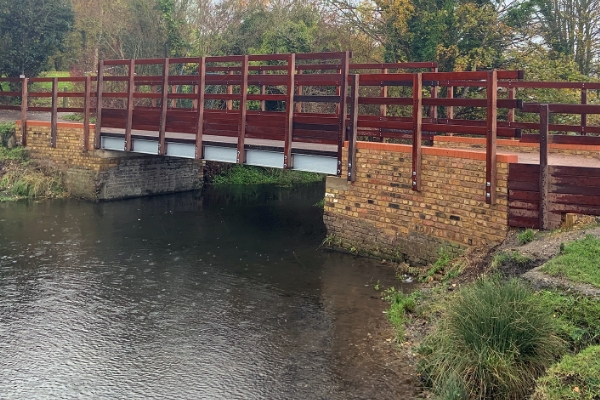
[545,247]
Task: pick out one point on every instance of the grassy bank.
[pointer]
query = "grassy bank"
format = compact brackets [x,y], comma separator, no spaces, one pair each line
[489,334]
[250,175]
[21,177]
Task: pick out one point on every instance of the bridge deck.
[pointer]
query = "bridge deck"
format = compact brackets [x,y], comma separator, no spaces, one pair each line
[310,157]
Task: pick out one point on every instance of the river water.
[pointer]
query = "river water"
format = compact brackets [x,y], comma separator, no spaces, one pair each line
[223,296]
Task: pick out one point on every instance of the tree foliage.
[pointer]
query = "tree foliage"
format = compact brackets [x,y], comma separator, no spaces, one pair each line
[30,32]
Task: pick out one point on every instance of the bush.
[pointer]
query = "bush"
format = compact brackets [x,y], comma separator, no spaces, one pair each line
[527,236]
[493,340]
[7,130]
[574,377]
[251,175]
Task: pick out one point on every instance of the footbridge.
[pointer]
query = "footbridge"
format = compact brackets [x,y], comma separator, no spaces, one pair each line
[308,112]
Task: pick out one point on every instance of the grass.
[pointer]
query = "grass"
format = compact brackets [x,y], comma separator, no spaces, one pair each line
[250,175]
[438,266]
[510,258]
[400,305]
[7,130]
[574,377]
[527,236]
[21,178]
[577,317]
[493,340]
[578,261]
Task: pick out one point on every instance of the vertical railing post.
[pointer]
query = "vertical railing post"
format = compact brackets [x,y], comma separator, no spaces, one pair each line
[24,107]
[87,99]
[384,94]
[99,90]
[512,92]
[417,134]
[230,92]
[299,90]
[353,128]
[490,148]
[583,116]
[433,111]
[450,109]
[164,105]
[343,109]
[383,107]
[201,90]
[241,151]
[544,175]
[130,92]
[54,113]
[263,91]
[289,110]
[154,90]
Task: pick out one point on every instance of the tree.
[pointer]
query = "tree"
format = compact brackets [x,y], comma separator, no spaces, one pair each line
[572,27]
[30,32]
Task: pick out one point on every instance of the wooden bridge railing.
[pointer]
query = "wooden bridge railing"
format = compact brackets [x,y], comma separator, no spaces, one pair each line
[539,194]
[296,98]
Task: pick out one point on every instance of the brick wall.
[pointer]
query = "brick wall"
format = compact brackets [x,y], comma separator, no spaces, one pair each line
[381,215]
[457,142]
[107,175]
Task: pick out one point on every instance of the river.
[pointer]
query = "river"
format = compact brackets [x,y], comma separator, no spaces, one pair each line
[221,296]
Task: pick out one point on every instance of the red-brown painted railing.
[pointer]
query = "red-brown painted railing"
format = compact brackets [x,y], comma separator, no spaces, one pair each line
[129,100]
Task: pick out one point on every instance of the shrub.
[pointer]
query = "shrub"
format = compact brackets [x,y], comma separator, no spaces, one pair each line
[251,175]
[7,130]
[527,236]
[493,340]
[574,377]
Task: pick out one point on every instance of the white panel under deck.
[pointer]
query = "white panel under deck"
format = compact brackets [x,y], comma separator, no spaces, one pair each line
[262,158]
[222,154]
[183,150]
[112,143]
[144,146]
[315,163]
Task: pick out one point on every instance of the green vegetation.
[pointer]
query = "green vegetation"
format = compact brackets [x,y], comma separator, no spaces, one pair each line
[527,236]
[510,258]
[7,131]
[20,178]
[577,317]
[32,31]
[400,305]
[574,377]
[250,175]
[438,266]
[493,340]
[578,261]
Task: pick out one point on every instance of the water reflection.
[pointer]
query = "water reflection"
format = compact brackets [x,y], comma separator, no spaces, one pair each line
[220,296]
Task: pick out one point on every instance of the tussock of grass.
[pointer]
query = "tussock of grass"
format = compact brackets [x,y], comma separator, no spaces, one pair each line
[250,175]
[579,261]
[527,236]
[493,340]
[574,377]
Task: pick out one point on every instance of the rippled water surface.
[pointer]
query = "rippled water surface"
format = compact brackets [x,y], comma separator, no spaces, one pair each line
[223,296]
